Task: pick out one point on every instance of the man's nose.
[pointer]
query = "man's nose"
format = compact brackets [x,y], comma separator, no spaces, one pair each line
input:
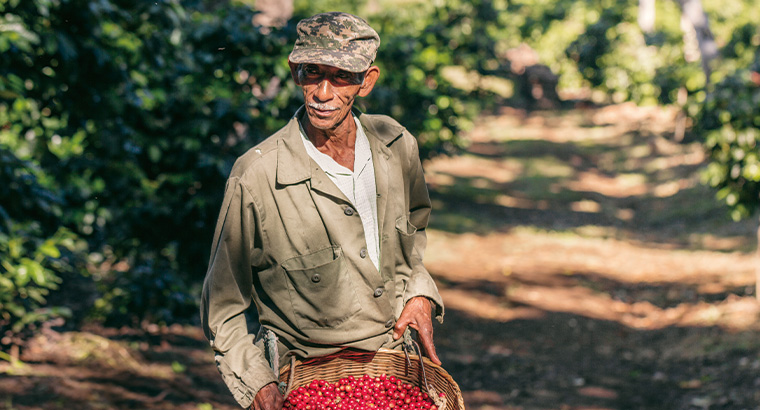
[324,91]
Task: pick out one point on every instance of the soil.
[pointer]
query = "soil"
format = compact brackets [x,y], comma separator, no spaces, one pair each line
[582,263]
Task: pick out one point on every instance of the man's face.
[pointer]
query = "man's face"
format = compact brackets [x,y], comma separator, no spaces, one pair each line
[328,92]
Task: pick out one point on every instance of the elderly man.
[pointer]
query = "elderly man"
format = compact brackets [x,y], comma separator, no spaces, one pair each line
[322,226]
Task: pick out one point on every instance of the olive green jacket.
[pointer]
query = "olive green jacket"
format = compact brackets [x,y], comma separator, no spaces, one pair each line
[288,241]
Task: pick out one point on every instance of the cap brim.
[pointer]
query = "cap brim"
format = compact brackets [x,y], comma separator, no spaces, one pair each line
[352,62]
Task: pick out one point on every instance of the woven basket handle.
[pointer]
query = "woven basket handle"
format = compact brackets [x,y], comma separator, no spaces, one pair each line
[411,346]
[286,387]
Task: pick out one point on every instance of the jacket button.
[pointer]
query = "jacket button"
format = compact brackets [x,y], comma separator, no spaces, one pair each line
[363,253]
[389,324]
[379,292]
[315,278]
[348,211]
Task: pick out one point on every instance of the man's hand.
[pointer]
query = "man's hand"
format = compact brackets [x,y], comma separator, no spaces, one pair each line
[268,398]
[417,314]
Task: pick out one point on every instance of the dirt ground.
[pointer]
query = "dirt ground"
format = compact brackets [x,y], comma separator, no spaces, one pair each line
[582,264]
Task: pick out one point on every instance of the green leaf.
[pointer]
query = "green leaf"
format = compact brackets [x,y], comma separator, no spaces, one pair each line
[50,250]
[37,295]
[154,153]
[178,367]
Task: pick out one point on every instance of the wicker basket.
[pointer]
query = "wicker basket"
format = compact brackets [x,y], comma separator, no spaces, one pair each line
[385,361]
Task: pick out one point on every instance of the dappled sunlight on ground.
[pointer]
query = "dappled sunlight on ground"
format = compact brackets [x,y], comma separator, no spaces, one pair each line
[584,266]
[487,306]
[619,186]
[734,313]
[632,284]
[474,167]
[171,368]
[636,182]
[580,124]
[537,253]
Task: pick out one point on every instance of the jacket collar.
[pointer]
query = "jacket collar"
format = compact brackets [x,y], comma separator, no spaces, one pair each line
[381,128]
[293,162]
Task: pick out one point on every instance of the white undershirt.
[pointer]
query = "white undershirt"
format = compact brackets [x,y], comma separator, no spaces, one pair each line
[358,186]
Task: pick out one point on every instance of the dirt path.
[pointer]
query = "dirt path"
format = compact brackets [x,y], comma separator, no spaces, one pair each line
[582,264]
[585,267]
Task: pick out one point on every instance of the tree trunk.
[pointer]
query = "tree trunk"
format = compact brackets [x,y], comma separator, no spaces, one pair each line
[680,131]
[693,13]
[646,15]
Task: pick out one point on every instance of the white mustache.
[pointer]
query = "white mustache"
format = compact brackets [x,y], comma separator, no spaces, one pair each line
[322,107]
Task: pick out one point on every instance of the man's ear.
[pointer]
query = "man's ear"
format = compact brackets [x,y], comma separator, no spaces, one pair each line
[370,78]
[294,71]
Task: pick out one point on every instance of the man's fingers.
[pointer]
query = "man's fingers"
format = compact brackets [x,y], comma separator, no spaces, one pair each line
[401,325]
[279,400]
[268,398]
[426,340]
[425,337]
[417,315]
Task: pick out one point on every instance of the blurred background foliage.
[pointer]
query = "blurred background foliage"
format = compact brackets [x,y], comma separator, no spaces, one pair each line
[730,124]
[119,120]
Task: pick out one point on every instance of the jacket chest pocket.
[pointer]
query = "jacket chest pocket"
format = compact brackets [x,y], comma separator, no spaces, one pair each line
[320,290]
[406,232]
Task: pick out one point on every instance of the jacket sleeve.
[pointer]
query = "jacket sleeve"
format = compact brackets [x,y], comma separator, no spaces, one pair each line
[227,295]
[420,283]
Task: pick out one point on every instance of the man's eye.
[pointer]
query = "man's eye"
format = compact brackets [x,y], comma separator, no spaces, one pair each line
[344,75]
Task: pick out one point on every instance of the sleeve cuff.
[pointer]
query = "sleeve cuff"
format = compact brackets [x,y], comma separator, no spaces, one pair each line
[245,387]
[421,284]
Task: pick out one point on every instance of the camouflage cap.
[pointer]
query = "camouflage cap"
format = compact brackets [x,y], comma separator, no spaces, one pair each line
[336,39]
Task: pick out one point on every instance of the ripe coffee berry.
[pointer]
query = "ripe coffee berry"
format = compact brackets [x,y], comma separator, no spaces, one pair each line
[362,393]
